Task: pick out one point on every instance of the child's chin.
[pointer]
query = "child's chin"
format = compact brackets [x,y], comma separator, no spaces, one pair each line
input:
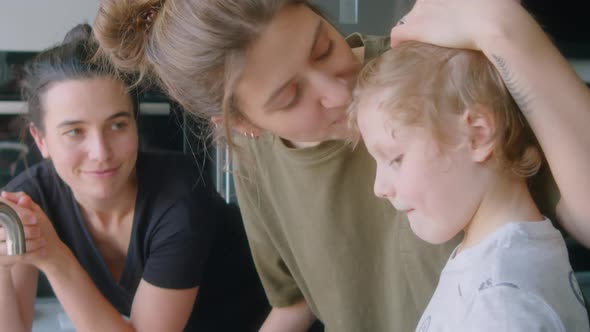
[431,237]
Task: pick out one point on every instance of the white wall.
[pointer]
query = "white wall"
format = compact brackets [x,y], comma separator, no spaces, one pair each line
[33,25]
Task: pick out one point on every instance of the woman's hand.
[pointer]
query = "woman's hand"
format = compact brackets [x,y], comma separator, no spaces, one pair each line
[42,243]
[458,23]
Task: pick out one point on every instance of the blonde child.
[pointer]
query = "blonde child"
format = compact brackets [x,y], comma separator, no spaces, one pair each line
[454,152]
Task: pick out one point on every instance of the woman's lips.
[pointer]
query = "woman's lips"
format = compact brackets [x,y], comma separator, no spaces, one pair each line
[103,173]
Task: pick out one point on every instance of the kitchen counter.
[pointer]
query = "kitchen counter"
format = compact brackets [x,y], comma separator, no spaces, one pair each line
[50,316]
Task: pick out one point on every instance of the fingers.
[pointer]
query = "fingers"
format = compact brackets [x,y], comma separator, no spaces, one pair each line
[31,232]
[27,203]
[9,261]
[34,247]
[37,249]
[35,244]
[30,225]
[26,215]
[401,32]
[19,198]
[12,196]
[410,27]
[24,207]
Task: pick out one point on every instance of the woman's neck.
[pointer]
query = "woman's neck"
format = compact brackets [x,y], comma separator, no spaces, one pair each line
[508,200]
[112,209]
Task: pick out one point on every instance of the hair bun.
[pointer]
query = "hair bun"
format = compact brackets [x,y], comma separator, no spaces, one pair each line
[123,28]
[147,16]
[80,32]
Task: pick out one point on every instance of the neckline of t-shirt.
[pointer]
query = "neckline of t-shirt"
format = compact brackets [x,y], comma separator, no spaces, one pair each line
[125,278]
[472,255]
[310,155]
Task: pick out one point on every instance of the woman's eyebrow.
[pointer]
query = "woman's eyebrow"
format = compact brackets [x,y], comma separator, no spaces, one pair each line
[75,122]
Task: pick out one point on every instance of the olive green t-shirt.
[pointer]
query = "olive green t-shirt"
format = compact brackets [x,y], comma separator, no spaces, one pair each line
[317,231]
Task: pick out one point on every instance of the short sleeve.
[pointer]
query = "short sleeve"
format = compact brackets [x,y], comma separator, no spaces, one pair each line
[179,245]
[28,188]
[509,309]
[280,286]
[31,183]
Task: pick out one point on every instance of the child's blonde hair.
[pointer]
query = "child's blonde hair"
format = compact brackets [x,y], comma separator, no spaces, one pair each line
[422,81]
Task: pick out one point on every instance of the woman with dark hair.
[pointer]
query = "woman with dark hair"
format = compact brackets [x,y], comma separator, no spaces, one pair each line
[116,231]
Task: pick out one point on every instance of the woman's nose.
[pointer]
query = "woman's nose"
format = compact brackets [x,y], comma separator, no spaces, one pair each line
[99,148]
[335,92]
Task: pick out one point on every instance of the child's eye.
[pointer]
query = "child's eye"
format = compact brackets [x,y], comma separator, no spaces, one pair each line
[397,160]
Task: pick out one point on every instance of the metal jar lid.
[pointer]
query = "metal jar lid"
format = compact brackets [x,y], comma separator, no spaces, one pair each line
[15,234]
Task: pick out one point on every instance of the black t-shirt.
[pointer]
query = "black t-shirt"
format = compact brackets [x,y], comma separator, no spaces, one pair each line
[174,229]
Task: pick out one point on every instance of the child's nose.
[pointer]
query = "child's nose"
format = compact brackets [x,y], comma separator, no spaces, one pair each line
[383,186]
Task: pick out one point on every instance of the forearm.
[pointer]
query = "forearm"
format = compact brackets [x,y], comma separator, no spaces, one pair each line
[557,105]
[81,300]
[296,318]
[10,315]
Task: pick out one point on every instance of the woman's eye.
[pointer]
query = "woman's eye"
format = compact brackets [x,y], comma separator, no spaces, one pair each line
[397,160]
[73,132]
[296,96]
[326,53]
[118,125]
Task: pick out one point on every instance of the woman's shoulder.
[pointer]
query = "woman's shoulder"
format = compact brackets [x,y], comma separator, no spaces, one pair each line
[43,185]
[174,193]
[167,167]
[171,176]
[41,174]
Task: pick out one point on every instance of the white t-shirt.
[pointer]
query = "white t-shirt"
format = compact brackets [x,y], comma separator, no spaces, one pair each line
[517,279]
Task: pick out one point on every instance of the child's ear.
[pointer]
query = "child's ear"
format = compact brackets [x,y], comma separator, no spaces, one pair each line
[481,129]
[39,140]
